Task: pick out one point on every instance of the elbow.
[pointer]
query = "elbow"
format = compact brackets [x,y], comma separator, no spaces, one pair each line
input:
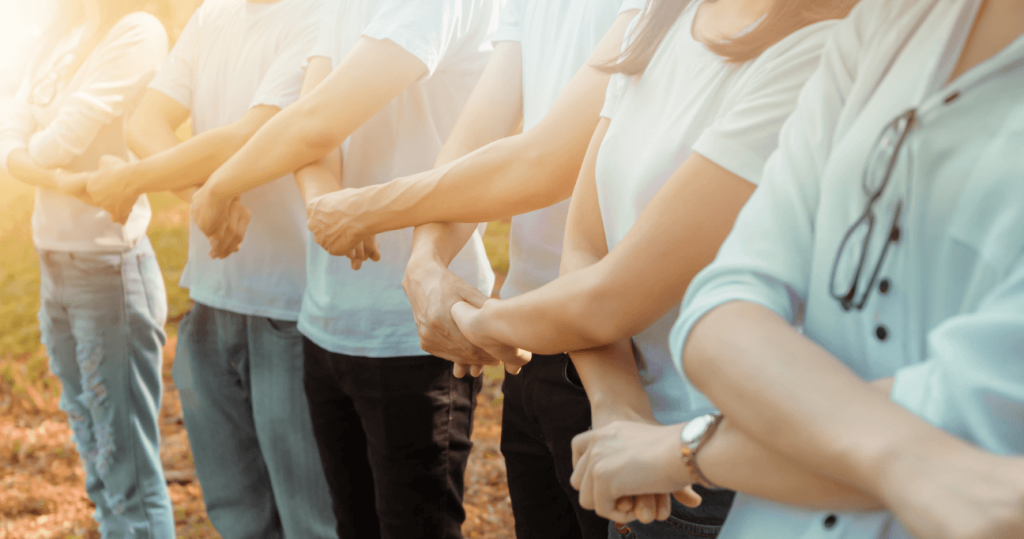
[603,320]
[554,172]
[698,360]
[135,134]
[314,131]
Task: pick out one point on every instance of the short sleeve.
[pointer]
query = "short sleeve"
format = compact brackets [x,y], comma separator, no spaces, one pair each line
[421,27]
[327,44]
[742,139]
[177,77]
[283,81]
[767,257]
[118,72]
[510,24]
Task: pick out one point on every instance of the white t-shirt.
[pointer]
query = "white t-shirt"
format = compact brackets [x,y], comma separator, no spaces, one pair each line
[366,312]
[557,37]
[72,125]
[234,55]
[690,100]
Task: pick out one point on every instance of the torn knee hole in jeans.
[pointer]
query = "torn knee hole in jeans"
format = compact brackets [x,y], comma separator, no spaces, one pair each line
[95,394]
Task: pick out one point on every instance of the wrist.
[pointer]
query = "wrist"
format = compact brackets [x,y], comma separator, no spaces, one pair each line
[901,465]
[137,179]
[676,469]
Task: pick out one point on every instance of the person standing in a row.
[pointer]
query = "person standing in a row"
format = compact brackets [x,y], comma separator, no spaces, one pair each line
[889,227]
[540,74]
[403,70]
[238,366]
[103,304]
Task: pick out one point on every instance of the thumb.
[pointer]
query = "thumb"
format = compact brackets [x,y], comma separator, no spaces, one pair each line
[108,161]
[472,296]
[688,497]
[514,365]
[462,312]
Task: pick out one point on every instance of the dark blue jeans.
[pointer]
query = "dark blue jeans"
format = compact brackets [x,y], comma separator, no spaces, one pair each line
[394,439]
[545,407]
[702,522]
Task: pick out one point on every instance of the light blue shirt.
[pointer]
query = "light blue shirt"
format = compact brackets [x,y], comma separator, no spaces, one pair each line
[950,325]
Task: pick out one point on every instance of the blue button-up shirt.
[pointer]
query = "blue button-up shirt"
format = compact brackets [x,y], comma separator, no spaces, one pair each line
[946,315]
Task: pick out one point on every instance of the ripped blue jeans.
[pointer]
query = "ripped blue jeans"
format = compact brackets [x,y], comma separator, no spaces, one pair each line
[102,318]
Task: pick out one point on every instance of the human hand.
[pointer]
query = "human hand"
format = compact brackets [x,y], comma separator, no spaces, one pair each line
[110,187]
[645,507]
[73,184]
[367,249]
[432,290]
[229,239]
[957,492]
[335,225]
[615,463]
[472,324]
[210,213]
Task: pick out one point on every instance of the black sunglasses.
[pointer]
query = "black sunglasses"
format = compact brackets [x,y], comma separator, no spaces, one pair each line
[877,172]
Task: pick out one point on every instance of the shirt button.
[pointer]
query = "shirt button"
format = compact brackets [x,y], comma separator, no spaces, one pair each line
[884,286]
[882,333]
[830,522]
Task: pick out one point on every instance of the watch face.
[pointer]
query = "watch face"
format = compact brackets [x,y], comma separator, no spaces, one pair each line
[696,428]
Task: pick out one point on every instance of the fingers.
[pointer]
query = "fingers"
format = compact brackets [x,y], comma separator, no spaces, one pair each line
[515,364]
[476,370]
[687,497]
[109,161]
[580,443]
[459,370]
[645,508]
[372,247]
[664,506]
[357,256]
[229,239]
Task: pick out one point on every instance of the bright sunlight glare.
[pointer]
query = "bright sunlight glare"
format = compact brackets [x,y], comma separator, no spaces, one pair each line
[21,23]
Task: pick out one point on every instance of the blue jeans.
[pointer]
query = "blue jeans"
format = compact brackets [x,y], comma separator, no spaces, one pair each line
[702,522]
[240,382]
[102,317]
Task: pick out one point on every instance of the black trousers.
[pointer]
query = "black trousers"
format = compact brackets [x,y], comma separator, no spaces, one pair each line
[545,407]
[394,438]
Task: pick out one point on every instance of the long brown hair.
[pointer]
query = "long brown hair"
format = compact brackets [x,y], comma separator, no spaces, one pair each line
[783,18]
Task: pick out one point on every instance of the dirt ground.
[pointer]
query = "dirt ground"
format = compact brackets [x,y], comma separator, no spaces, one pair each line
[42,493]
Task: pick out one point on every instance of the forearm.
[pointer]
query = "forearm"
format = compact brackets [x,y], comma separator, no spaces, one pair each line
[733,460]
[23,168]
[791,395]
[185,165]
[320,177]
[321,120]
[439,243]
[610,376]
[502,179]
[147,137]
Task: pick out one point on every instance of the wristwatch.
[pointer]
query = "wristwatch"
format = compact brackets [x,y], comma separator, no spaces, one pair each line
[695,434]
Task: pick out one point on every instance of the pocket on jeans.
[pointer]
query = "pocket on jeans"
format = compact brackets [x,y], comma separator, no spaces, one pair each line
[571,375]
[693,530]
